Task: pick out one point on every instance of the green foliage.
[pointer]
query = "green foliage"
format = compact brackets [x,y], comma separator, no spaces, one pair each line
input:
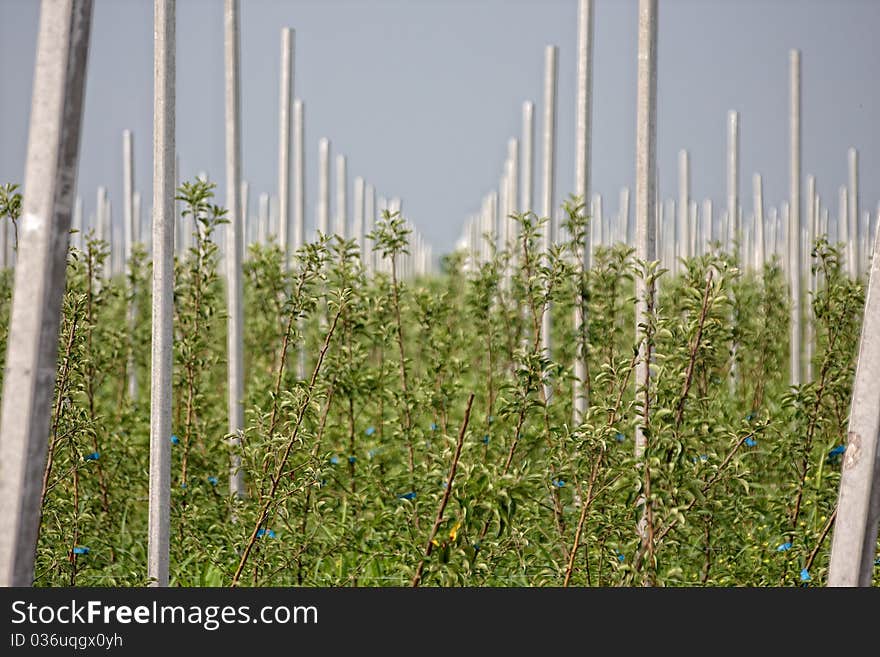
[355,395]
[10,207]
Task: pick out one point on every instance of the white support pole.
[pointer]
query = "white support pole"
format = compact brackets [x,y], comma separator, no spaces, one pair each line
[528,156]
[285,88]
[854,540]
[115,239]
[625,222]
[130,236]
[693,228]
[323,218]
[513,190]
[49,185]
[646,168]
[670,247]
[548,201]
[806,268]
[100,201]
[489,225]
[130,230]
[734,229]
[235,320]
[843,226]
[853,213]
[340,227]
[684,186]
[758,208]
[358,232]
[794,224]
[143,235]
[299,176]
[162,349]
[369,222]
[706,220]
[582,171]
[273,217]
[598,220]
[501,218]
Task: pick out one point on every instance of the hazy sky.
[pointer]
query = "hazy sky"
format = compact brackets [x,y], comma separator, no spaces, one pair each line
[422,95]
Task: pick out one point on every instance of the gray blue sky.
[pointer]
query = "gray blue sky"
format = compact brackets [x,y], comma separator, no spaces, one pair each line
[422,95]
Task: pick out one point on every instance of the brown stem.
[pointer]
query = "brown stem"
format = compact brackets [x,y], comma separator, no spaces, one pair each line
[282,361]
[821,540]
[705,489]
[279,471]
[438,520]
[590,497]
[56,412]
[405,388]
[692,357]
[811,429]
[308,501]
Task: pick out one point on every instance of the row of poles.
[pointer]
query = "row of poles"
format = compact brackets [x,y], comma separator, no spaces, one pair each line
[50,176]
[678,228]
[684,227]
[274,221]
[50,211]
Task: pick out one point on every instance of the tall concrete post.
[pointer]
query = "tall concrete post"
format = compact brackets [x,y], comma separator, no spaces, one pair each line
[794,212]
[806,268]
[369,222]
[758,201]
[733,227]
[341,197]
[285,88]
[853,251]
[323,219]
[129,228]
[49,187]
[235,320]
[162,349]
[299,176]
[358,232]
[513,188]
[130,236]
[684,186]
[528,156]
[582,170]
[854,540]
[548,201]
[646,166]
